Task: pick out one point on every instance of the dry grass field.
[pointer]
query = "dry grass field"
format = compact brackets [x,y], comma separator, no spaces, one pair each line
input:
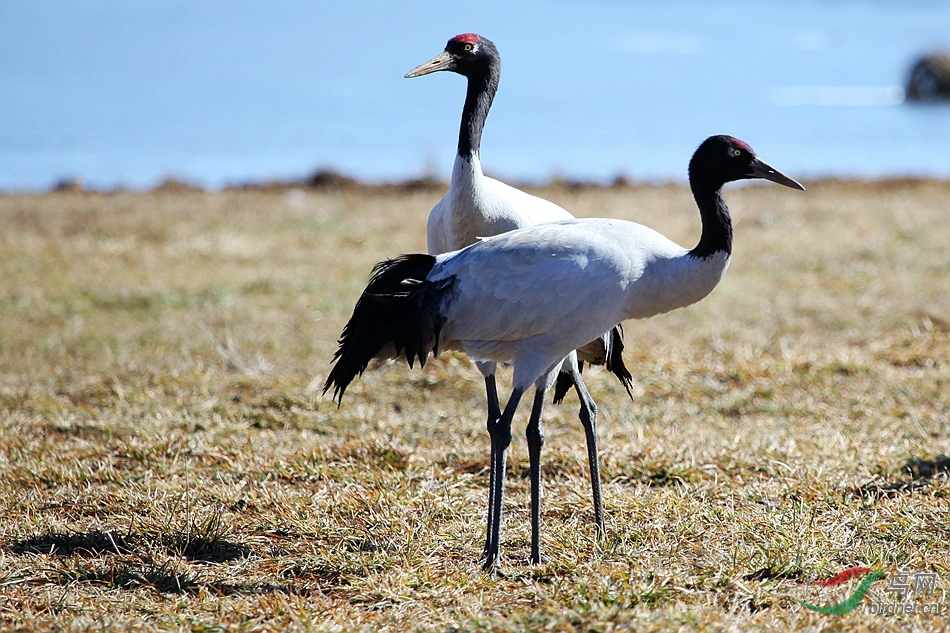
[167,460]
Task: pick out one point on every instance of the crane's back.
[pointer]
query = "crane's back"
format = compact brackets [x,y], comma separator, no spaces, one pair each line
[576,279]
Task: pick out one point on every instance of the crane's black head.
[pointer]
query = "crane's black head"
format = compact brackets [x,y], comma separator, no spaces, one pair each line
[722,159]
[466,54]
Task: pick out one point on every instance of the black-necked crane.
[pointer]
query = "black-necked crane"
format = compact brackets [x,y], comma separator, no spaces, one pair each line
[476,206]
[531,296]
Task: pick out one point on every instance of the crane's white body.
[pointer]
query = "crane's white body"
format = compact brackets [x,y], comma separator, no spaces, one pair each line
[531,296]
[476,206]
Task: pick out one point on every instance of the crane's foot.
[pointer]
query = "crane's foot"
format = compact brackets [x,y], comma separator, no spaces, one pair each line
[494,568]
[600,532]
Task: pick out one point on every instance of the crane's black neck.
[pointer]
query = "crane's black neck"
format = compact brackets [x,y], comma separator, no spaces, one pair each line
[717,224]
[482,85]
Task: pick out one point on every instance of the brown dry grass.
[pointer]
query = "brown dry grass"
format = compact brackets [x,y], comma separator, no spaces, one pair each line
[167,462]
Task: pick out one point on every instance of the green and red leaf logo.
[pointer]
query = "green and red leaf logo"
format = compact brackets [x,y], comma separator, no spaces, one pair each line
[850,603]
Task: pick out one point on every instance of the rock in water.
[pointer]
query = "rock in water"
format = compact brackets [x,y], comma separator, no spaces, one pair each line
[929,79]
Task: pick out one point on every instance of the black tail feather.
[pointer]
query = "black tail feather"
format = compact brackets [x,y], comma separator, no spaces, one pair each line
[615,360]
[398,307]
[564,384]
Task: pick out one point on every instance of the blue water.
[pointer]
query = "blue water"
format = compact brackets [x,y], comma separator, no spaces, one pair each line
[127,92]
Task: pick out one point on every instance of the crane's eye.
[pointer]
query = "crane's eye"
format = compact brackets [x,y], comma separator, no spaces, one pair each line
[737,152]
[469,48]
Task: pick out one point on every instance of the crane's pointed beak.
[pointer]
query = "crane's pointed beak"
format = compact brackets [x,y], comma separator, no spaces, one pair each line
[761,169]
[442,61]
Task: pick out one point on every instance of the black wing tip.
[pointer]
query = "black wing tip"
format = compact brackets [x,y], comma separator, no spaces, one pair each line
[398,307]
[615,361]
[618,369]
[562,386]
[339,388]
[627,381]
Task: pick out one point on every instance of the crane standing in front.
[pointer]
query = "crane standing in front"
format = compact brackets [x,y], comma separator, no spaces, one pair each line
[531,296]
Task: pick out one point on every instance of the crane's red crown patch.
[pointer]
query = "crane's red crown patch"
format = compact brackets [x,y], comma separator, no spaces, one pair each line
[742,145]
[466,38]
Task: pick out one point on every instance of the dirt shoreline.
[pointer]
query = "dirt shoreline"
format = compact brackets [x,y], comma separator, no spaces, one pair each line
[328,180]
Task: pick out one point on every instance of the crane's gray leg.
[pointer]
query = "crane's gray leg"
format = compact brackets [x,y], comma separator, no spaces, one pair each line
[494,412]
[535,438]
[500,440]
[588,416]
